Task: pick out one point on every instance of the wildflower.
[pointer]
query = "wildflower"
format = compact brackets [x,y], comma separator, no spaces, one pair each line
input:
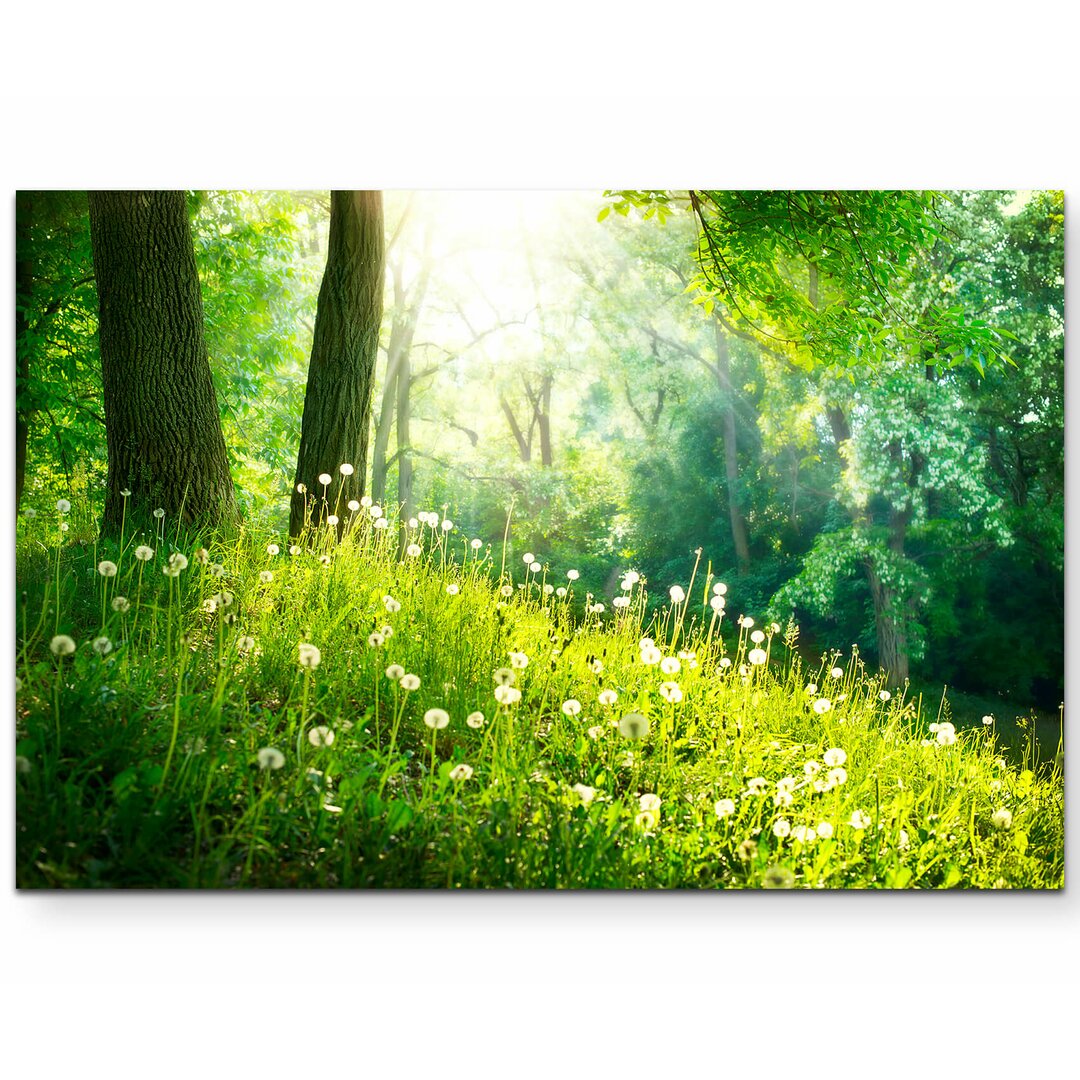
[634,726]
[177,562]
[535,567]
[375,511]
[630,579]
[669,665]
[835,756]
[519,660]
[266,576]
[597,609]
[597,666]
[595,732]
[573,575]
[1002,819]
[447,525]
[560,592]
[391,604]
[786,783]
[725,661]
[946,734]
[245,644]
[812,768]
[394,672]
[781,828]
[121,604]
[585,793]
[452,589]
[607,697]
[325,479]
[410,682]
[22,764]
[504,676]
[382,523]
[571,707]
[216,569]
[62,645]
[476,543]
[836,777]
[332,520]
[756,656]
[269,758]
[376,640]
[822,705]
[461,772]
[987,720]
[144,553]
[902,839]
[719,589]
[757,637]
[301,489]
[64,526]
[651,655]
[811,689]
[646,820]
[507,695]
[106,568]
[620,601]
[506,590]
[676,593]
[101,645]
[159,513]
[884,695]
[837,673]
[724,808]
[345,469]
[824,830]
[365,500]
[273,549]
[804,834]
[436,719]
[757,785]
[320,736]
[671,691]
[475,720]
[528,558]
[859,820]
[649,802]
[782,798]
[717,604]
[63,506]
[310,657]
[413,550]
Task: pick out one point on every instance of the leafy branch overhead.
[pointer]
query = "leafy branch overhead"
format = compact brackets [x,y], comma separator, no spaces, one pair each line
[825,277]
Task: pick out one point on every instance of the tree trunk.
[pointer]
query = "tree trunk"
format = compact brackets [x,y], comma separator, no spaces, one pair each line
[889,628]
[24,285]
[337,403]
[543,419]
[731,453]
[162,425]
[406,502]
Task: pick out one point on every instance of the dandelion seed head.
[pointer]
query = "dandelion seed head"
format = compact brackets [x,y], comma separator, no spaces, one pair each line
[310,656]
[391,604]
[834,756]
[144,553]
[159,513]
[453,589]
[671,691]
[756,656]
[346,469]
[376,640]
[101,645]
[269,758]
[884,695]
[266,576]
[670,665]
[607,697]
[436,719]
[476,543]
[461,772]
[475,720]
[528,558]
[781,828]
[106,568]
[634,726]
[573,575]
[676,594]
[836,777]
[447,525]
[365,501]
[859,820]
[724,808]
[245,643]
[560,592]
[409,682]
[822,705]
[325,479]
[394,672]
[413,550]
[757,637]
[62,645]
[571,707]
[121,604]
[507,695]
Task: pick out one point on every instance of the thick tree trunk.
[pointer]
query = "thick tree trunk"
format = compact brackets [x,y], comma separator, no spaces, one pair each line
[731,453]
[337,404]
[889,628]
[162,425]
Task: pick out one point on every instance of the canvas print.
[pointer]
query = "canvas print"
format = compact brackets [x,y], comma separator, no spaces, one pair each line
[607,540]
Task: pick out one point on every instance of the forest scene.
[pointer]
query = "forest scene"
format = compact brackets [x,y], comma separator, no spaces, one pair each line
[624,539]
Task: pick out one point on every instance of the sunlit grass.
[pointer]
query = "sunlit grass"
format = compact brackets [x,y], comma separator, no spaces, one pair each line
[239,710]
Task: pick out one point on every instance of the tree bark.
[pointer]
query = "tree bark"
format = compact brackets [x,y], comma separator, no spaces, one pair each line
[731,453]
[163,430]
[337,403]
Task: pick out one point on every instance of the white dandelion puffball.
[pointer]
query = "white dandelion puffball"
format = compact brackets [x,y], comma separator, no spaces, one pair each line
[649,801]
[453,589]
[376,640]
[884,695]
[63,506]
[266,576]
[310,657]
[987,720]
[717,604]
[365,501]
[571,706]
[836,777]
[144,553]
[535,567]
[811,768]
[101,645]
[106,568]
[746,622]
[676,593]
[725,661]
[332,520]
[756,785]
[273,549]
[756,656]
[724,808]
[391,604]
[650,655]
[447,525]
[177,562]
[62,645]
[159,513]
[121,604]
[245,643]
[269,758]
[475,720]
[436,719]
[504,676]
[413,550]
[507,695]
[461,772]
[585,793]
[822,705]
[671,691]
[824,829]
[301,489]
[946,733]
[382,523]
[506,590]
[597,666]
[548,588]
[528,558]
[646,820]
[669,665]
[837,673]
[573,575]
[607,697]
[560,592]
[294,549]
[757,637]
[634,726]
[387,632]
[1002,819]
[352,505]
[409,682]
[719,589]
[859,820]
[834,756]
[630,579]
[597,609]
[617,602]
[320,736]
[519,660]
[595,731]
[346,469]
[781,828]
[375,511]
[476,543]
[325,478]
[394,672]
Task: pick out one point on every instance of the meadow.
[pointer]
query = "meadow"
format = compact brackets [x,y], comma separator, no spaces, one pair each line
[395,704]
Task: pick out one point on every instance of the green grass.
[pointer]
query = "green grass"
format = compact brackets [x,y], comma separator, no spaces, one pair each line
[141,767]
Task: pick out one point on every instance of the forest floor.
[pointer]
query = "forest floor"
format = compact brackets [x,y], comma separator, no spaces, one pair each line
[332,715]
